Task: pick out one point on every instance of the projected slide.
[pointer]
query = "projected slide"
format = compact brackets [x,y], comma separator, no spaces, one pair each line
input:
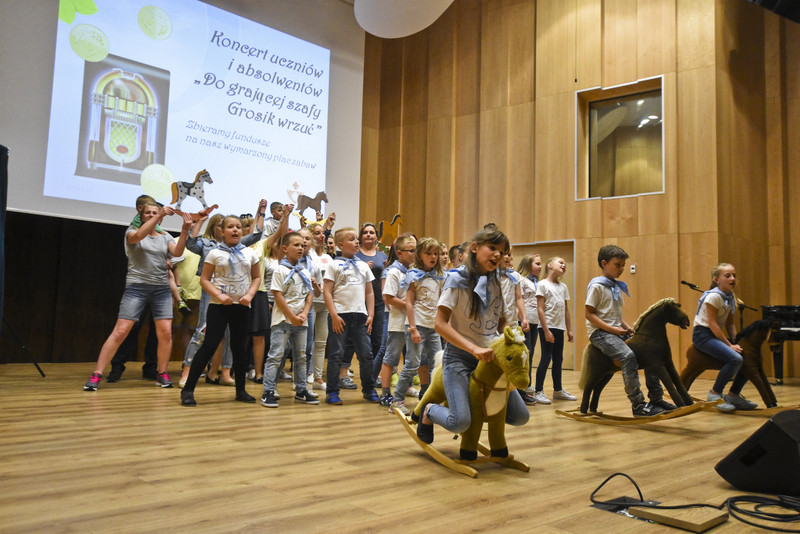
[147,95]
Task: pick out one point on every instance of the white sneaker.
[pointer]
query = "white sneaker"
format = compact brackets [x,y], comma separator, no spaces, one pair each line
[530,391]
[277,395]
[320,385]
[251,374]
[310,379]
[564,395]
[412,392]
[541,398]
[400,406]
[313,394]
[723,406]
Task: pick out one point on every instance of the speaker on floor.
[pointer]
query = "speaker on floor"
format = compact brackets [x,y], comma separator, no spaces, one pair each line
[769,460]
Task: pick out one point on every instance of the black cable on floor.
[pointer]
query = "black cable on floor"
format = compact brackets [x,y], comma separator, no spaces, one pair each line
[759,511]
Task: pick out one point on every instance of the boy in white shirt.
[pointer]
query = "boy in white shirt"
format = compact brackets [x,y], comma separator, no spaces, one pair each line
[291,287]
[348,295]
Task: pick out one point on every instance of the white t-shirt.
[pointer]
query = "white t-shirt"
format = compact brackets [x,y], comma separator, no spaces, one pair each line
[555,303]
[606,307]
[510,296]
[320,262]
[294,290]
[391,286]
[481,330]
[234,284]
[426,299]
[723,310]
[349,285]
[529,298]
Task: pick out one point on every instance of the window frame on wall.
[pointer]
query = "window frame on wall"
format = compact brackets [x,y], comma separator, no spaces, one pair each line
[583,132]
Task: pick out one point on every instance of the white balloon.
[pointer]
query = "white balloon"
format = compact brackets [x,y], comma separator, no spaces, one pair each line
[391,19]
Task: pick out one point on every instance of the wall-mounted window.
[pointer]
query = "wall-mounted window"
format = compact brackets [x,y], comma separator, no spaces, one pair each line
[620,141]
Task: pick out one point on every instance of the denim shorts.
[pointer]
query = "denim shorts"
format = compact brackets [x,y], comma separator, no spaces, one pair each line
[137,296]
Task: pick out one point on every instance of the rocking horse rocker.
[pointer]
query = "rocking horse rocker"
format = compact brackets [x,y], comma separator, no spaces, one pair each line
[651,347]
[489,387]
[750,339]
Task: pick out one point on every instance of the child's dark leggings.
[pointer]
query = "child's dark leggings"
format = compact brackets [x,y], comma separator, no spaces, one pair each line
[554,352]
[237,318]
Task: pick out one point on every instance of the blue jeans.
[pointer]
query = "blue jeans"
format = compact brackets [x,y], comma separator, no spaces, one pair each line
[457,366]
[377,362]
[137,296]
[615,348]
[395,341]
[416,354]
[530,342]
[354,332]
[285,335]
[551,351]
[705,341]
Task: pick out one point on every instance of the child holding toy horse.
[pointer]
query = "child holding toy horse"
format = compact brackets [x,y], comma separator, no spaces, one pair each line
[713,320]
[469,316]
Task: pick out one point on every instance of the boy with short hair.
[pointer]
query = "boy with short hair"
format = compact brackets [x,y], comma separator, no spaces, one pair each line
[271,224]
[347,288]
[608,330]
[291,286]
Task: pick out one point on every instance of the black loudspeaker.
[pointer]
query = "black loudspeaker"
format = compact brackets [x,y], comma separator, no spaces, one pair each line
[785,8]
[769,460]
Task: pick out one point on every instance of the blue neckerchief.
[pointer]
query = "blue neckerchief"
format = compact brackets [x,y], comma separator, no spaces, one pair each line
[512,275]
[729,299]
[347,263]
[413,275]
[615,285]
[535,281]
[233,251]
[396,265]
[458,279]
[304,261]
[296,269]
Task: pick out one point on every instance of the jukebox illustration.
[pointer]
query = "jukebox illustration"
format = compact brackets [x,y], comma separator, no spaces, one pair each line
[123,119]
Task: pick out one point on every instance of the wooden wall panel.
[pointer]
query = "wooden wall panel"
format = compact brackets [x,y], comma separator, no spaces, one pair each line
[439,207]
[620,37]
[441,67]
[620,216]
[697,151]
[388,189]
[415,79]
[464,190]
[554,177]
[520,27]
[468,57]
[391,86]
[555,47]
[368,187]
[695,34]
[413,163]
[370,107]
[588,50]
[493,175]
[656,43]
[520,168]
[494,54]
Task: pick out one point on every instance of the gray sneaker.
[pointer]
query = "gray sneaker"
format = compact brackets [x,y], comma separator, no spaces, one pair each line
[347,383]
[723,406]
[740,402]
[162,380]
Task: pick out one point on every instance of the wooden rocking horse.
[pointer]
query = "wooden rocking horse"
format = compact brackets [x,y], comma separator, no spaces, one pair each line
[489,387]
[304,202]
[651,347]
[181,190]
[750,339]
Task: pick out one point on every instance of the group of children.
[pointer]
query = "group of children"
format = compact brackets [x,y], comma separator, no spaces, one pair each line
[288,286]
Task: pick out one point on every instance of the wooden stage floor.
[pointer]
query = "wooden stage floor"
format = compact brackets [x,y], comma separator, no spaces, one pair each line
[130,458]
